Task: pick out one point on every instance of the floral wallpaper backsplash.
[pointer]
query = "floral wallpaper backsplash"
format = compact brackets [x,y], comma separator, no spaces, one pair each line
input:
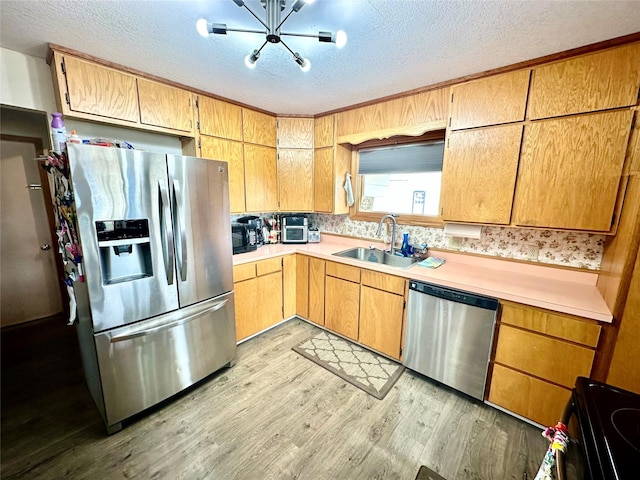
[581,250]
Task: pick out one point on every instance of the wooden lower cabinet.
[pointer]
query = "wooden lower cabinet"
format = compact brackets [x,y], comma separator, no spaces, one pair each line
[538,356]
[530,397]
[302,286]
[289,274]
[544,357]
[316,290]
[363,305]
[342,306]
[259,299]
[381,320]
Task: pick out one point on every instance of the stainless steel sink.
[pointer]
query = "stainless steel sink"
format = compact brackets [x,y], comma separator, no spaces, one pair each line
[375,255]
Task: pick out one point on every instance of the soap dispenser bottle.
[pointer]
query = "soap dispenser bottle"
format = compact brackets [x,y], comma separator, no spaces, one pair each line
[406,248]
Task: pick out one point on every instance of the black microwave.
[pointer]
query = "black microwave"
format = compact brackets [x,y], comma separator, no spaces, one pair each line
[245,238]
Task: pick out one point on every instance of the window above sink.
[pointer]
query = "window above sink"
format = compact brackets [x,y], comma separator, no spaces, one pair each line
[401,175]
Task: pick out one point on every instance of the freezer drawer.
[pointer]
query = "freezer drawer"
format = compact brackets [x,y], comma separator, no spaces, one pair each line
[145,363]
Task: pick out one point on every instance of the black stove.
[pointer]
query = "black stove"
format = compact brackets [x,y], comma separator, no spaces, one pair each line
[609,423]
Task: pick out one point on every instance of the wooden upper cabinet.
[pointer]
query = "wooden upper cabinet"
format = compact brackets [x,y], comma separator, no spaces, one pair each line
[597,81]
[570,170]
[96,90]
[323,181]
[330,166]
[490,101]
[165,106]
[220,119]
[295,132]
[479,174]
[258,128]
[260,177]
[399,115]
[229,151]
[295,179]
[323,131]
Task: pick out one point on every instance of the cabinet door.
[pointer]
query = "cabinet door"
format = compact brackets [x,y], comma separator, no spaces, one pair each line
[570,171]
[295,179]
[260,178]
[316,290]
[323,131]
[323,180]
[381,320]
[302,286]
[545,357]
[102,91]
[289,280]
[530,397]
[295,132]
[219,119]
[246,305]
[573,329]
[479,174]
[231,152]
[165,106]
[597,81]
[258,128]
[490,101]
[342,306]
[269,294]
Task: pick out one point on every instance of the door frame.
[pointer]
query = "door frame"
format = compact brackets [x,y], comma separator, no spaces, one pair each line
[48,203]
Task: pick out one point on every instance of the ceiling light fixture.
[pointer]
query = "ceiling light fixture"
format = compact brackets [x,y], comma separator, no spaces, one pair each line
[273,34]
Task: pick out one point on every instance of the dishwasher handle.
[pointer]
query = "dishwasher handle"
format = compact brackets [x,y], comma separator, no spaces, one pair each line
[454,295]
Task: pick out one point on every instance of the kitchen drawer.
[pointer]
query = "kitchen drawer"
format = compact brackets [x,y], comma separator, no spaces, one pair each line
[548,358]
[382,281]
[530,397]
[269,266]
[244,271]
[556,325]
[345,272]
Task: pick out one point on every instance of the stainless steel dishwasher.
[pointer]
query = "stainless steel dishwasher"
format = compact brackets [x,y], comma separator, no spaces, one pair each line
[448,336]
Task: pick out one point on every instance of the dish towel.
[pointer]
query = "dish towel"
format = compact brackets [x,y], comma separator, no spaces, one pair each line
[348,189]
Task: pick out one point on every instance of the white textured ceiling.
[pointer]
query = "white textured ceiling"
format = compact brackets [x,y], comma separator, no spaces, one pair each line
[394,45]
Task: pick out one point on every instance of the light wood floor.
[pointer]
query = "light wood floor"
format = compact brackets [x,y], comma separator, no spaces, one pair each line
[273,415]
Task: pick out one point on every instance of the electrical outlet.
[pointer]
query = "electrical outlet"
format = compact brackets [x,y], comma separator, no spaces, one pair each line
[455,243]
[532,252]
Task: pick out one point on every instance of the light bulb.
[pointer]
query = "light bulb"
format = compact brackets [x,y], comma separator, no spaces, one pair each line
[341,39]
[251,59]
[305,65]
[249,62]
[203,27]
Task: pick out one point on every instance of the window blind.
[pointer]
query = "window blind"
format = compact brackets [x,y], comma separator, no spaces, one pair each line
[413,158]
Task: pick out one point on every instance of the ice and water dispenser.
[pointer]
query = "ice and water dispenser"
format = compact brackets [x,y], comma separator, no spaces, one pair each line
[125,250]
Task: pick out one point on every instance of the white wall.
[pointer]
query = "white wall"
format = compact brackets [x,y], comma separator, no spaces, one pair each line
[26,83]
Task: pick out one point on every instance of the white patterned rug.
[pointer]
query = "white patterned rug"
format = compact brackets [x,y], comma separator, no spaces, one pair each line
[366,370]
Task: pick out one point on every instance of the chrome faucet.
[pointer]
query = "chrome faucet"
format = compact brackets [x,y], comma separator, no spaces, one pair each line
[392,217]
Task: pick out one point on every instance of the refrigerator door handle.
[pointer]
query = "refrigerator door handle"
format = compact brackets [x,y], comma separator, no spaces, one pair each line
[141,332]
[180,230]
[167,244]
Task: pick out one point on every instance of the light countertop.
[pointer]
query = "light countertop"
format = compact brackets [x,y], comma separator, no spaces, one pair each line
[561,290]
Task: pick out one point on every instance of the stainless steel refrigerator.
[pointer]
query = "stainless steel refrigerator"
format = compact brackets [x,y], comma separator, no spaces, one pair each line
[156,309]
